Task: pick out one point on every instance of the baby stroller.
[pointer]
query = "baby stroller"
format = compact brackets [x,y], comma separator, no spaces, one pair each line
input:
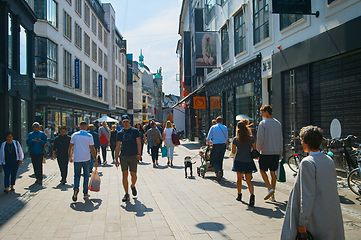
[206,164]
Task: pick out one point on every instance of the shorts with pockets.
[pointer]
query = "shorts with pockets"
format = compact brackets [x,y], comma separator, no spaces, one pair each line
[268,162]
[129,163]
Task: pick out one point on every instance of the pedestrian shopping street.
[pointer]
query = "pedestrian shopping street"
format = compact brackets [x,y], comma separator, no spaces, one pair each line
[168,206]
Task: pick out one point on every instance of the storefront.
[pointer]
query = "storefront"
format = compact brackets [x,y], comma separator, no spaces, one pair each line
[321,86]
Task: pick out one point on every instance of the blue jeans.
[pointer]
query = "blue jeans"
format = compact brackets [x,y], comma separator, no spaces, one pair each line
[77,173]
[10,171]
[217,155]
[170,147]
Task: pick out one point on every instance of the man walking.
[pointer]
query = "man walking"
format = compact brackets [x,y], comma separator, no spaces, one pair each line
[269,143]
[218,134]
[82,143]
[130,154]
[61,146]
[96,144]
[36,141]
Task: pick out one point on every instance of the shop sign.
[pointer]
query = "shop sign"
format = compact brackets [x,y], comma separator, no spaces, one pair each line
[215,102]
[77,73]
[100,86]
[199,102]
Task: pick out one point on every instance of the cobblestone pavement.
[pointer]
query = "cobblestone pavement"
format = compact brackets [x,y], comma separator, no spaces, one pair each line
[168,205]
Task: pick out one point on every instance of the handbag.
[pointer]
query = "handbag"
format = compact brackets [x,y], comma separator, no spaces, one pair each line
[304,236]
[94,184]
[164,152]
[156,139]
[255,153]
[103,139]
[175,139]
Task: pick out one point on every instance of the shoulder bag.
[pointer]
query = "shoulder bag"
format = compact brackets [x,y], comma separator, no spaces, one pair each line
[156,138]
[175,138]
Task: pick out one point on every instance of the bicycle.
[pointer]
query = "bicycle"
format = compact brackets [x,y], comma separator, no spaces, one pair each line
[348,162]
[295,159]
[354,178]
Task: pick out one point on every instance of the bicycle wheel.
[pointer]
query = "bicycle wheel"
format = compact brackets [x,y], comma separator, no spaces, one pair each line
[292,163]
[354,181]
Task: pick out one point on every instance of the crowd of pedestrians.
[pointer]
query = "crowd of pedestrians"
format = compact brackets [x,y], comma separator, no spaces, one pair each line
[313,202]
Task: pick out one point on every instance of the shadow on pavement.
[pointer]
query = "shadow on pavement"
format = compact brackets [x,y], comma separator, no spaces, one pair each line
[139,208]
[278,212]
[177,167]
[62,187]
[191,145]
[143,163]
[88,206]
[212,226]
[345,200]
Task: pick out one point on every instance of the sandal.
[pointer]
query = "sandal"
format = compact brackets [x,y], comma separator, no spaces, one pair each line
[6,191]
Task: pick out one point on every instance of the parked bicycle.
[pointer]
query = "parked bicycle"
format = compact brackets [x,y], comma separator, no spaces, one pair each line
[348,158]
[354,178]
[295,159]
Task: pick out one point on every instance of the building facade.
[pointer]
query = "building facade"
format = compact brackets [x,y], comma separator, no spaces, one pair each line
[17,88]
[259,54]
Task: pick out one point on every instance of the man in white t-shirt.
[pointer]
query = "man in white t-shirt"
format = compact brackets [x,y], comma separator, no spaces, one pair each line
[83,144]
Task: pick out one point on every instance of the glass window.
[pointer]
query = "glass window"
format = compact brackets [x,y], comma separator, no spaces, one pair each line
[330,1]
[86,14]
[244,101]
[94,24]
[105,62]
[11,112]
[261,20]
[78,117]
[67,118]
[67,25]
[78,6]
[46,59]
[225,44]
[94,51]
[24,125]
[87,117]
[95,83]
[87,79]
[54,117]
[105,89]
[287,19]
[239,33]
[10,42]
[105,38]
[78,35]
[100,57]
[52,13]
[86,44]
[100,32]
[67,68]
[210,10]
[40,9]
[23,51]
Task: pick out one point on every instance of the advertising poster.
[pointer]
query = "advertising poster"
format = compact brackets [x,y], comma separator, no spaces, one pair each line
[168,115]
[206,52]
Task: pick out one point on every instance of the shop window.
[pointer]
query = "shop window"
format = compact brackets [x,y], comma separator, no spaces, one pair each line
[47,10]
[78,6]
[86,44]
[10,42]
[94,51]
[67,68]
[288,19]
[95,83]
[244,102]
[86,14]
[87,117]
[46,59]
[94,24]
[261,20]
[78,35]
[239,33]
[67,25]
[67,118]
[87,79]
[225,44]
[23,51]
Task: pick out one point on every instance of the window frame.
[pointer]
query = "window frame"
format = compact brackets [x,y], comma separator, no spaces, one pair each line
[78,36]
[67,31]
[94,51]
[224,44]
[94,83]
[87,79]
[289,23]
[264,23]
[86,14]
[240,28]
[100,32]
[77,7]
[94,24]
[67,68]
[100,57]
[51,58]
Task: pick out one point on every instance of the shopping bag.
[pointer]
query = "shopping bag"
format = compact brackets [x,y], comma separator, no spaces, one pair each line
[103,139]
[175,138]
[281,174]
[94,184]
[164,151]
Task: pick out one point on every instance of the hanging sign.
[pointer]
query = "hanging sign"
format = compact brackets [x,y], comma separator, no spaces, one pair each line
[215,102]
[100,86]
[77,73]
[199,102]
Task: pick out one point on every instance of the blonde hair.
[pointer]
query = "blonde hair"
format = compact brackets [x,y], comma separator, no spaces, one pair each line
[104,124]
[168,124]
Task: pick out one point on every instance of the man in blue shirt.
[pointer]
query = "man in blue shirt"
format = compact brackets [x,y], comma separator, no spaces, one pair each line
[218,134]
[131,150]
[36,141]
[118,127]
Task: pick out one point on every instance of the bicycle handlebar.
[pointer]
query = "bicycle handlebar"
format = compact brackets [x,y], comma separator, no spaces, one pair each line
[345,139]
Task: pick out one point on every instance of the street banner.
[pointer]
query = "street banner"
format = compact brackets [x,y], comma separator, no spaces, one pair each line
[57,120]
[63,119]
[215,102]
[199,102]
[77,73]
[100,86]
[206,52]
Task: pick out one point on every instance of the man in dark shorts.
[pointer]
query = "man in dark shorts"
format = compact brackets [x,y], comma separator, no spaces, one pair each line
[269,143]
[130,154]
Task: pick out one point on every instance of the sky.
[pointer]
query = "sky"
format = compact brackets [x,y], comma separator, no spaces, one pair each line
[153,27]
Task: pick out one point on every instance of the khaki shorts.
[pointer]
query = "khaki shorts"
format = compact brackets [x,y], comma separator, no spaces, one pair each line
[129,163]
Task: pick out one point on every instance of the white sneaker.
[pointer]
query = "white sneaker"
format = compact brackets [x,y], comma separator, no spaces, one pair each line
[272,199]
[269,194]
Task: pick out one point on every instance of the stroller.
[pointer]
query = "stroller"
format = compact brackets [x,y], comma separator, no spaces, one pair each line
[206,164]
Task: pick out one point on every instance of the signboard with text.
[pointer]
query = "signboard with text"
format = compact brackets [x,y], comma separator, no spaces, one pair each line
[77,73]
[100,86]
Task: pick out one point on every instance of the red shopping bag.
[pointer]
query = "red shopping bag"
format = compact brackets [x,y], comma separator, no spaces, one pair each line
[94,184]
[103,139]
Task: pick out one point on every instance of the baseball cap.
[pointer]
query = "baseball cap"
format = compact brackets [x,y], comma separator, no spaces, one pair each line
[125,118]
[36,124]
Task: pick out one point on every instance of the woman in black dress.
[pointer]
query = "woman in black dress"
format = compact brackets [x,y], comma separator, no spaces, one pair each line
[11,157]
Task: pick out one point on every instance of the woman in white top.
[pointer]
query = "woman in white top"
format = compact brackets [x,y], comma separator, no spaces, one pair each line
[167,139]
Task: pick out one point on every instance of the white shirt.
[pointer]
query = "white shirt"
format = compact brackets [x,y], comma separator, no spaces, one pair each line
[82,140]
[168,132]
